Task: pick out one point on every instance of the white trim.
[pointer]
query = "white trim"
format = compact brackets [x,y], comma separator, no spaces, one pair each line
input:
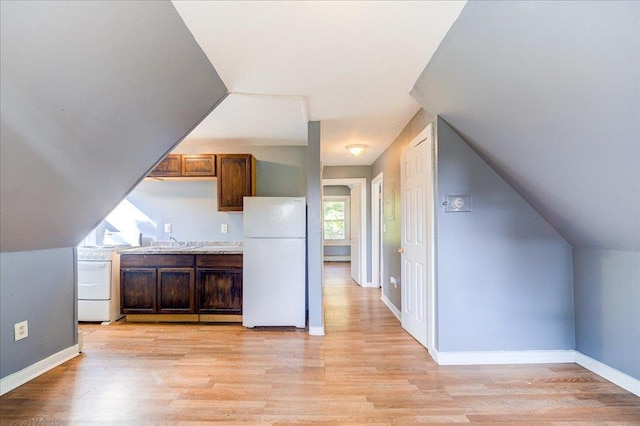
[504,357]
[337,258]
[433,352]
[392,308]
[432,330]
[363,217]
[316,331]
[367,284]
[376,233]
[421,136]
[21,377]
[429,135]
[616,377]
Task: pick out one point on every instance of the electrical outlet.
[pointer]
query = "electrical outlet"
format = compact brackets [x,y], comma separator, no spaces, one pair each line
[393,281]
[167,228]
[224,228]
[20,330]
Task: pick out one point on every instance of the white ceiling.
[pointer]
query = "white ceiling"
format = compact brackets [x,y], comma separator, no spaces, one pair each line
[349,65]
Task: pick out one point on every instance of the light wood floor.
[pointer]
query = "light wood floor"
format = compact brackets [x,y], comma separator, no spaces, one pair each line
[365,370]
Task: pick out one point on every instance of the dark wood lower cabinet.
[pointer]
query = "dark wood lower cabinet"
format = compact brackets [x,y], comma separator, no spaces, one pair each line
[219,291]
[138,290]
[176,291]
[181,284]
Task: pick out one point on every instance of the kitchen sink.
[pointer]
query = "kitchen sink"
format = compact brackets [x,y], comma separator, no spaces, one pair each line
[169,248]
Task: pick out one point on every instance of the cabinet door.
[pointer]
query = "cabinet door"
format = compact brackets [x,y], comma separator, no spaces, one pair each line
[199,165]
[176,290]
[171,166]
[219,291]
[236,179]
[138,290]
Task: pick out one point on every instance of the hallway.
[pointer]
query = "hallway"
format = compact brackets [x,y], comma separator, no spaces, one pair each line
[365,370]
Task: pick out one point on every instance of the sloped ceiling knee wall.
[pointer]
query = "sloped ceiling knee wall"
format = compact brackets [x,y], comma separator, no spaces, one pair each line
[93,95]
[549,94]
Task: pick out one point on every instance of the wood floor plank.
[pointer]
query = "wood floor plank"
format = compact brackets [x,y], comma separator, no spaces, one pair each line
[366,370]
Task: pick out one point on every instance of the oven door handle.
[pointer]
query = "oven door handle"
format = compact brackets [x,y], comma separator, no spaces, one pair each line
[93,265]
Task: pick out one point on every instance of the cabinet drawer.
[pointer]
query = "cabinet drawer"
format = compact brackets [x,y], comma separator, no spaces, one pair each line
[157,260]
[219,261]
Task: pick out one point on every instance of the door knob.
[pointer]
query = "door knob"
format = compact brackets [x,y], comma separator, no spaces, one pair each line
[400,250]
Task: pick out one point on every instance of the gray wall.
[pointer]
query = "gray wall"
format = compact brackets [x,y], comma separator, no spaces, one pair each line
[191,206]
[345,172]
[314,228]
[549,93]
[521,83]
[337,250]
[91,100]
[37,286]
[607,306]
[333,190]
[504,275]
[389,164]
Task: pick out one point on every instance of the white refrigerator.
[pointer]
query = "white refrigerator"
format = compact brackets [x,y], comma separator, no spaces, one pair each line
[274,262]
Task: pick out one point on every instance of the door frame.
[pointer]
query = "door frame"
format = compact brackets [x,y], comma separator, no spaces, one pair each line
[377,265]
[363,221]
[431,239]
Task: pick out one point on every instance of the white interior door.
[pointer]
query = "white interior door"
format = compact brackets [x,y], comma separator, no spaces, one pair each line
[376,232]
[417,189]
[356,243]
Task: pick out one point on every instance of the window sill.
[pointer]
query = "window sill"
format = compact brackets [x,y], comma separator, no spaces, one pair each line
[336,243]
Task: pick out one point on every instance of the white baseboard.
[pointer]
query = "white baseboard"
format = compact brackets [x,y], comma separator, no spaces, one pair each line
[392,308]
[337,258]
[316,331]
[503,357]
[616,377]
[611,374]
[21,377]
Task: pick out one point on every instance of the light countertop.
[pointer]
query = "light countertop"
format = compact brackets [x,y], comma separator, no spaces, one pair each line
[189,247]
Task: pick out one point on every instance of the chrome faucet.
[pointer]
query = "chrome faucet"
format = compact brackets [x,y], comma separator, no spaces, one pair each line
[173,239]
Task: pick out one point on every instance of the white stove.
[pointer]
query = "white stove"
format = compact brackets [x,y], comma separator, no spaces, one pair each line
[97,253]
[98,284]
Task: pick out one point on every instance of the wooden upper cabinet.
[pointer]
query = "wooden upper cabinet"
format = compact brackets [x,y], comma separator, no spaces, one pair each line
[186,165]
[171,166]
[236,179]
[199,165]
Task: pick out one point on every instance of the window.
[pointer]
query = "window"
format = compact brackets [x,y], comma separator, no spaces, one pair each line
[335,220]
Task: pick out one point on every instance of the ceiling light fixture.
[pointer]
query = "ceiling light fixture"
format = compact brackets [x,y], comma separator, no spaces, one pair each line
[356,150]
